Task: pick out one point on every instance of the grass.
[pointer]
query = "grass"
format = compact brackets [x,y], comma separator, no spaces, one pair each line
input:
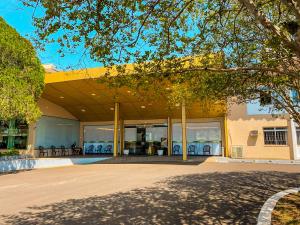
[287,210]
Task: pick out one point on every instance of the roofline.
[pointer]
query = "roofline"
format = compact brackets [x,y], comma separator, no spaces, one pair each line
[93,73]
[72,75]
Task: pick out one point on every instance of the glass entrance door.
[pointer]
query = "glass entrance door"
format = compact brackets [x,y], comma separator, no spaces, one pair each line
[141,141]
[146,139]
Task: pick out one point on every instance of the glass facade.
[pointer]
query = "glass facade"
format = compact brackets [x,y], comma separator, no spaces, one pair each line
[202,139]
[13,134]
[98,139]
[56,131]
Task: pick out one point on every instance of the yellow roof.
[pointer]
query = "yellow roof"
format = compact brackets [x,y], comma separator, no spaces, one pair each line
[81,94]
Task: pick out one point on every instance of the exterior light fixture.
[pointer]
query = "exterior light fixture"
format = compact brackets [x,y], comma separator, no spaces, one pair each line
[111,109]
[143,107]
[167,88]
[93,94]
[82,110]
[61,97]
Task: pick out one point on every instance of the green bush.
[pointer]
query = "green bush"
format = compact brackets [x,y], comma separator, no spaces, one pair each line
[10,152]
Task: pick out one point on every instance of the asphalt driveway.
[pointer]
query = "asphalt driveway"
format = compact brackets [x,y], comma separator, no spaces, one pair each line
[209,193]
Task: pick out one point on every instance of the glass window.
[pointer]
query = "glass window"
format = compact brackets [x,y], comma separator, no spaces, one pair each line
[275,136]
[3,134]
[157,138]
[176,139]
[98,139]
[265,99]
[21,134]
[298,135]
[56,131]
[130,138]
[13,134]
[202,138]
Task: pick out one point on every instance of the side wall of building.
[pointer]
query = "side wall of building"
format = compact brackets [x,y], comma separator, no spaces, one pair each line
[49,110]
[240,125]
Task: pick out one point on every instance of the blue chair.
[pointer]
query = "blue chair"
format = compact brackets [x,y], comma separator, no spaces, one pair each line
[108,149]
[90,149]
[98,149]
[176,150]
[192,149]
[206,149]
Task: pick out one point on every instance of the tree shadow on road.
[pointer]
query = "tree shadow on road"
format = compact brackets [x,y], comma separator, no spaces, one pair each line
[211,198]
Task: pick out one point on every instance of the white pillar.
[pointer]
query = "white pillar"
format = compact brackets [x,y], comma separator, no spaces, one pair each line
[294,139]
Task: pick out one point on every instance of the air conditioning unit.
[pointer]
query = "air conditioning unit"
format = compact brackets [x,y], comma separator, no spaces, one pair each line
[254,133]
[237,152]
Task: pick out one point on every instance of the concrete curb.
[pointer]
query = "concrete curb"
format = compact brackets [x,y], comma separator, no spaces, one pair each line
[26,164]
[268,161]
[265,215]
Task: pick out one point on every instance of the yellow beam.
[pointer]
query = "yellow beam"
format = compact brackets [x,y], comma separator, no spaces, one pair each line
[121,136]
[169,136]
[226,150]
[116,128]
[183,126]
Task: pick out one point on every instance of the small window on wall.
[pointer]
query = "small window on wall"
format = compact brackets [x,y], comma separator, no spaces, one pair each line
[275,136]
[265,98]
[298,135]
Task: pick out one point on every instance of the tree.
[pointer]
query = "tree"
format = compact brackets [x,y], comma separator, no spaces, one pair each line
[21,76]
[257,43]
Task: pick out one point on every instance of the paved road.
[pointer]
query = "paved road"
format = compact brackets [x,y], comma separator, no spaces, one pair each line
[209,193]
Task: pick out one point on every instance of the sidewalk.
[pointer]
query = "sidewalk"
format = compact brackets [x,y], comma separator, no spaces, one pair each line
[269,161]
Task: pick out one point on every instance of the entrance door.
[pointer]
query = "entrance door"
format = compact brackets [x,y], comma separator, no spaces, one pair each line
[141,141]
[146,139]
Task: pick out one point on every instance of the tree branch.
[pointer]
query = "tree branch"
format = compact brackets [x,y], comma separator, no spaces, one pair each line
[264,21]
[294,5]
[223,70]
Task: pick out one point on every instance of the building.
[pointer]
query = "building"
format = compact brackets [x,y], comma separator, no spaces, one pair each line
[78,109]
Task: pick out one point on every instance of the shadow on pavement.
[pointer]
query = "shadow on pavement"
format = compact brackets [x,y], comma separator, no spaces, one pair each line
[211,198]
[168,160]
[14,172]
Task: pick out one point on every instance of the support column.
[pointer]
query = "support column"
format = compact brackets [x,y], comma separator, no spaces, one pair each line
[170,136]
[226,145]
[183,127]
[292,139]
[116,128]
[121,136]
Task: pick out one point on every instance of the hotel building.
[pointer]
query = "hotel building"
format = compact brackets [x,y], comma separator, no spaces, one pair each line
[76,108]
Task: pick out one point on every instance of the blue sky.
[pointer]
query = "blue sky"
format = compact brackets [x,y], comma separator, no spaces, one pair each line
[20,18]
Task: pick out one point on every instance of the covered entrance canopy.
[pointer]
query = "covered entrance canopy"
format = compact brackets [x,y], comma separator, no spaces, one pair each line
[81,93]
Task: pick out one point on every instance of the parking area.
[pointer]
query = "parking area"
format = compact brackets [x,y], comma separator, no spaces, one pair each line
[207,193]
